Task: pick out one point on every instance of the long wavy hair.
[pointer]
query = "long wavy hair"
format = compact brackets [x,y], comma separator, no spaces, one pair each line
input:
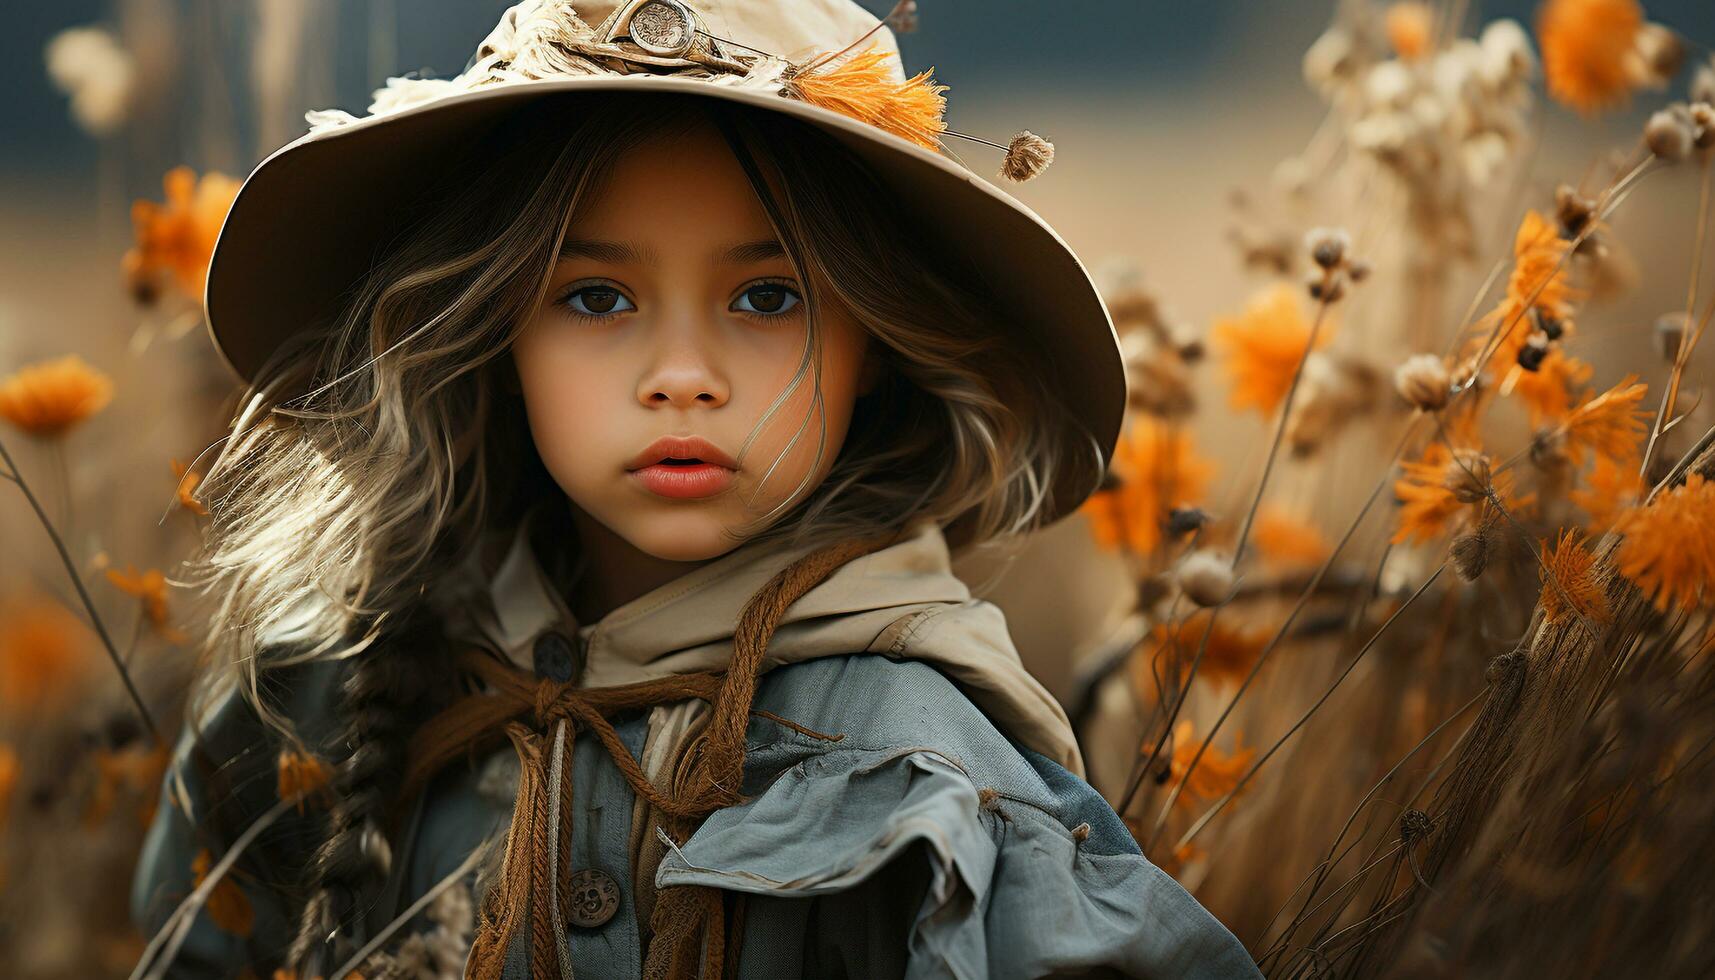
[373,450]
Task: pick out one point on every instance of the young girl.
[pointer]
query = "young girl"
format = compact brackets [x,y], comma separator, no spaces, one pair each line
[583,545]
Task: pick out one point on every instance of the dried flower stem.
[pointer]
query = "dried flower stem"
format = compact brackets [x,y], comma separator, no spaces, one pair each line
[1285,627]
[1682,356]
[350,966]
[1221,803]
[1320,875]
[1280,425]
[17,477]
[172,933]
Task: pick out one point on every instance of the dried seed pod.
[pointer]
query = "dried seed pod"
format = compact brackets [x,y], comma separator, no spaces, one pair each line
[1471,552]
[1670,133]
[1535,349]
[1027,156]
[1328,246]
[1326,289]
[1467,476]
[1703,117]
[1184,520]
[1423,381]
[1573,211]
[1657,55]
[1206,578]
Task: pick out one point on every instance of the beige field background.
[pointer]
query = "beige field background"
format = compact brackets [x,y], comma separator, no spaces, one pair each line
[1149,160]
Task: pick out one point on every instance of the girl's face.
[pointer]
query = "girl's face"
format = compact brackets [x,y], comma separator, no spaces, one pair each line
[674,313]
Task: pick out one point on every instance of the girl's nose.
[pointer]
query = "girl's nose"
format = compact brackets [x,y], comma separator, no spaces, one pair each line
[683,378]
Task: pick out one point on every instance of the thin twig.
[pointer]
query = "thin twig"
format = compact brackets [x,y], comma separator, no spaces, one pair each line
[1221,804]
[184,917]
[1682,355]
[17,477]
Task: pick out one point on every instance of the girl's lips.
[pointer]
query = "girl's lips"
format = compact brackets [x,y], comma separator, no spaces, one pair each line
[684,481]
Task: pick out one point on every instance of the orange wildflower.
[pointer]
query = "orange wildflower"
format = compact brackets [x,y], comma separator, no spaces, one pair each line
[1409,25]
[1613,484]
[1585,47]
[1263,346]
[228,907]
[1539,280]
[1285,540]
[1573,570]
[1158,469]
[151,588]
[44,655]
[1216,773]
[862,86]
[135,769]
[49,398]
[187,487]
[301,777]
[1547,391]
[1430,492]
[1669,550]
[1610,424]
[177,238]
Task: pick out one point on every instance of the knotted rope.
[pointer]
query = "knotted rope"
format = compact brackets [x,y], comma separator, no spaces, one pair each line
[540,718]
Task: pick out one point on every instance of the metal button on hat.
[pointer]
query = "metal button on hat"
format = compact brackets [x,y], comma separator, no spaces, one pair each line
[557,657]
[595,898]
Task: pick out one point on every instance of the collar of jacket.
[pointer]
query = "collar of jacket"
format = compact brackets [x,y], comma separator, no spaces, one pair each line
[902,601]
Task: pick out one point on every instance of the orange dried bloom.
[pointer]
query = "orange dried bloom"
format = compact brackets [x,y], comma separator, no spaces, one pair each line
[1610,424]
[1429,493]
[1285,540]
[151,588]
[1539,279]
[228,907]
[1262,348]
[1409,25]
[1613,484]
[1216,773]
[1226,660]
[48,398]
[1573,569]
[136,770]
[187,487]
[44,656]
[1669,550]
[176,239]
[1427,504]
[862,87]
[302,776]
[1158,469]
[1585,47]
[1547,391]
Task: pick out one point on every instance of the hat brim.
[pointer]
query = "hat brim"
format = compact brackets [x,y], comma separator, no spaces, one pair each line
[312,218]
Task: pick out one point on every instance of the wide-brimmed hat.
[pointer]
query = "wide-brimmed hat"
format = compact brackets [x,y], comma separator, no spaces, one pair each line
[313,217]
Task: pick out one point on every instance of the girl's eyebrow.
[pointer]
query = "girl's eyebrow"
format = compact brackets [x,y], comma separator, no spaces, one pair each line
[625,253]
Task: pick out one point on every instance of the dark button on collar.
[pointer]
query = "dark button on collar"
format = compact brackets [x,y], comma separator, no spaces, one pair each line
[595,897]
[557,657]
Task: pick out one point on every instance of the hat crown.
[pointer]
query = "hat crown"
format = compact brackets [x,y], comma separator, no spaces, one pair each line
[788,29]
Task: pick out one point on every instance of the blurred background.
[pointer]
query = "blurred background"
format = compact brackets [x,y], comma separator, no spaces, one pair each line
[1179,128]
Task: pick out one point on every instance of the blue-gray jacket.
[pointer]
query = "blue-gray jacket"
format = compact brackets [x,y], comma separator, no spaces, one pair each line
[925,842]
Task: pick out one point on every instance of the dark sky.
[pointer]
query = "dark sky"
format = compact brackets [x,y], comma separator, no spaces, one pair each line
[985,49]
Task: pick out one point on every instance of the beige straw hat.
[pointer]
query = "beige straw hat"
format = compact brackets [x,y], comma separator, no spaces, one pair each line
[310,219]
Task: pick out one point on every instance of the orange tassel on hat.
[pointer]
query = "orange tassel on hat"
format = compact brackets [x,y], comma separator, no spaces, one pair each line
[863,88]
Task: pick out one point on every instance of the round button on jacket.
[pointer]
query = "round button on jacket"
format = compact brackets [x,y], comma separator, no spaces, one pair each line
[556,657]
[595,898]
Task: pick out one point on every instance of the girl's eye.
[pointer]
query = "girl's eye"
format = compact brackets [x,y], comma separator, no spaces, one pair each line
[597,301]
[766,299]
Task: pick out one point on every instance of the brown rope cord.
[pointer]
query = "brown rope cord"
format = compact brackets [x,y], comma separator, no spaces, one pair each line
[707,779]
